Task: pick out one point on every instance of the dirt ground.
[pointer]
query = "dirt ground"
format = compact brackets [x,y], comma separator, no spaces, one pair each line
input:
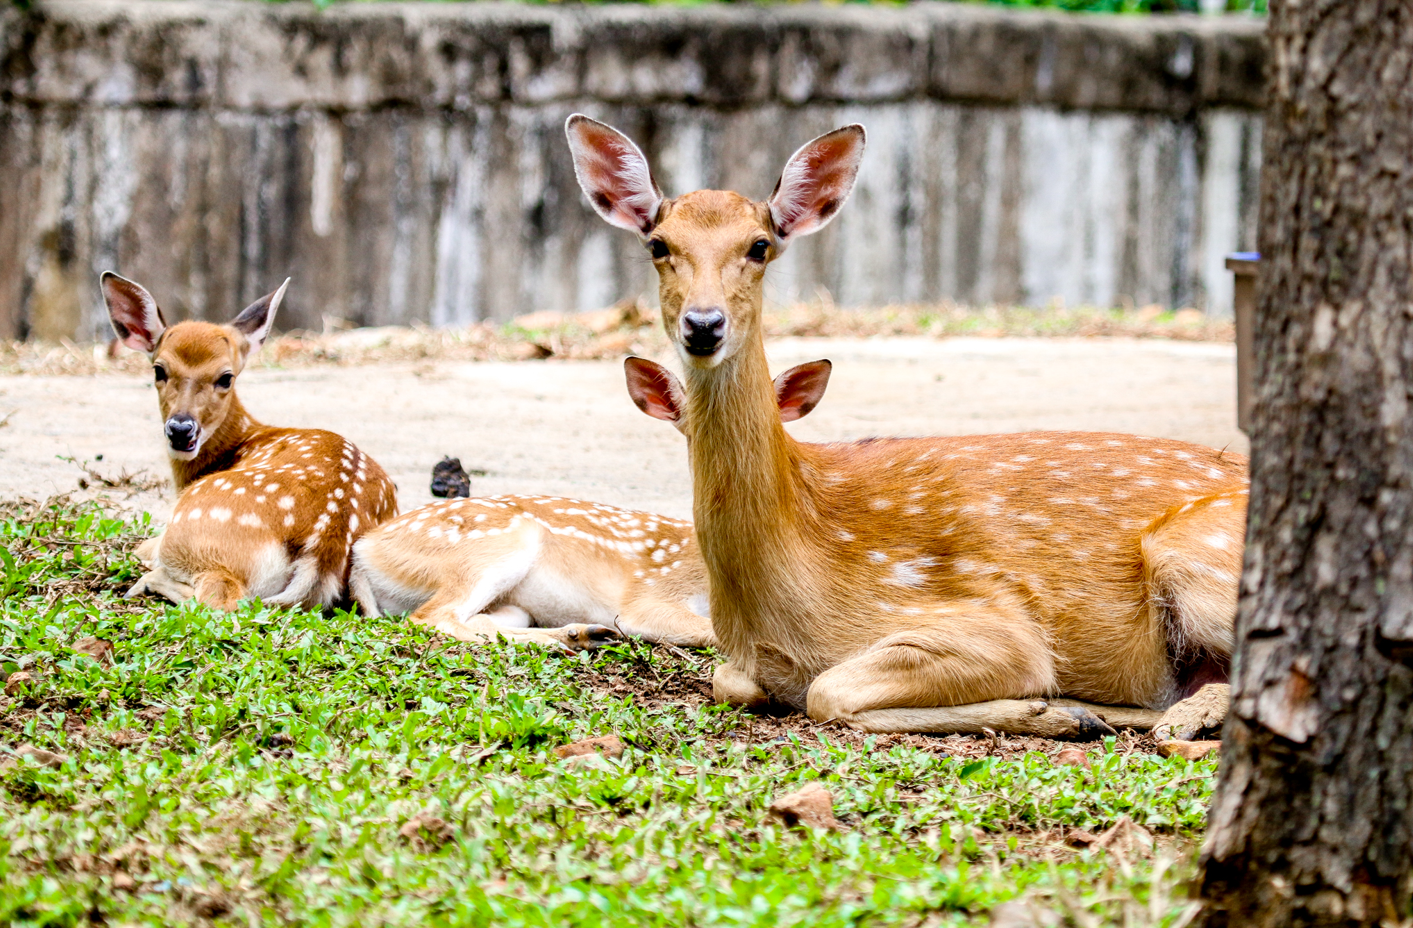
[568,428]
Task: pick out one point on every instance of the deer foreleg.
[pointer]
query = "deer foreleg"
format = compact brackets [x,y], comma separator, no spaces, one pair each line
[960,676]
[160,583]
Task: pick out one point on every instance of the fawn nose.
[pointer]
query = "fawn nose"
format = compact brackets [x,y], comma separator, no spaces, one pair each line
[181,432]
[703,330]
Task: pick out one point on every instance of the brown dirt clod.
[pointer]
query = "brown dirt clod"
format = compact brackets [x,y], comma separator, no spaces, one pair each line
[96,648]
[426,832]
[812,806]
[17,681]
[608,745]
[1189,750]
[1072,757]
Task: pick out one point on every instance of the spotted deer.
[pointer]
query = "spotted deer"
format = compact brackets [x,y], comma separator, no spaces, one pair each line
[547,570]
[924,584]
[262,512]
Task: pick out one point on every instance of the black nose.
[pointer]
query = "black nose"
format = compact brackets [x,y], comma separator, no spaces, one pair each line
[703,330]
[181,432]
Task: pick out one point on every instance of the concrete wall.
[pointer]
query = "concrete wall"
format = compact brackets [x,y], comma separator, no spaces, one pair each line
[406,162]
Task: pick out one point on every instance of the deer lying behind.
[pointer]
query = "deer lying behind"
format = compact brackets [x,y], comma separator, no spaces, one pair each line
[263,512]
[927,585]
[546,570]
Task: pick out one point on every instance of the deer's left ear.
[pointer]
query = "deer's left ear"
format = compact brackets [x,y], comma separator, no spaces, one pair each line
[255,320]
[655,390]
[815,183]
[614,174]
[799,390]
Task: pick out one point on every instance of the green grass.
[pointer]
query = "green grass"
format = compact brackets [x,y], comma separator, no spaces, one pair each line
[259,767]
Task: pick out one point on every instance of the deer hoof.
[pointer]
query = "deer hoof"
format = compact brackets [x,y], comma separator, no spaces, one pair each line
[1088,726]
[582,636]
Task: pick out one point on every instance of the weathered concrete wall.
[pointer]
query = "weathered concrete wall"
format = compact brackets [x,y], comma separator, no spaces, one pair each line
[406,162]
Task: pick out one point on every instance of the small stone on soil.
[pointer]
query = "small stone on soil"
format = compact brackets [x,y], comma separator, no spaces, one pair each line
[812,806]
[1189,750]
[608,746]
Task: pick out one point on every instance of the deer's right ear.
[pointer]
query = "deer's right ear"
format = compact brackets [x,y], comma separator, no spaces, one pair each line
[255,320]
[815,183]
[799,390]
[136,320]
[614,174]
[655,390]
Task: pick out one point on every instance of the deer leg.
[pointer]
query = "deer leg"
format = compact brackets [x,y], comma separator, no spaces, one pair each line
[218,589]
[447,612]
[147,552]
[958,677]
[160,583]
[669,622]
[731,685]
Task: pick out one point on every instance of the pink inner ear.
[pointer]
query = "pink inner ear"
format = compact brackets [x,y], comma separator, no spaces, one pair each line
[651,389]
[615,176]
[816,183]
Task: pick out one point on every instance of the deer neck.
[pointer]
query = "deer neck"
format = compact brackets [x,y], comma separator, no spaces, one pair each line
[219,452]
[747,483]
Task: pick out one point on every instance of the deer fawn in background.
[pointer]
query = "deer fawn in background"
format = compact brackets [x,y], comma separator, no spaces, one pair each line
[916,585]
[262,512]
[546,570]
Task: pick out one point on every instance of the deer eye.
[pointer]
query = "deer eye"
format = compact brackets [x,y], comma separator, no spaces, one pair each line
[758,250]
[159,374]
[657,248]
[225,380]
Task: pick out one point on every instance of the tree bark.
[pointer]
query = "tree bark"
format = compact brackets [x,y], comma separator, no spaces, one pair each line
[1312,821]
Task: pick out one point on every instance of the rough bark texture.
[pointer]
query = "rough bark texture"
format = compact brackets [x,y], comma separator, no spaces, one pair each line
[1311,820]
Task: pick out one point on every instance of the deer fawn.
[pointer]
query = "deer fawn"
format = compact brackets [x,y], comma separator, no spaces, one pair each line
[916,585]
[262,512]
[545,570]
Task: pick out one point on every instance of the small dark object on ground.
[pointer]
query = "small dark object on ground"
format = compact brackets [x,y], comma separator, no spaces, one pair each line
[450,480]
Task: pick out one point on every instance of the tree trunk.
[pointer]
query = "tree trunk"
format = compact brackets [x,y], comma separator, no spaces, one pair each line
[1312,821]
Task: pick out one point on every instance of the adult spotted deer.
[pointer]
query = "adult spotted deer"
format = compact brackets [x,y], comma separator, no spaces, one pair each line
[262,512]
[923,585]
[547,570]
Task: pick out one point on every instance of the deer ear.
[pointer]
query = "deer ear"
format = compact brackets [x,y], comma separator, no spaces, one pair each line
[815,183]
[654,389]
[799,390]
[614,174]
[255,320]
[136,319]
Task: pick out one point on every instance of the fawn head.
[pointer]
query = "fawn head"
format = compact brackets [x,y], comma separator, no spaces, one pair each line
[657,391]
[194,364]
[711,247]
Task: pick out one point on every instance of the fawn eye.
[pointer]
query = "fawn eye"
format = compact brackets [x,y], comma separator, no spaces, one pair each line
[657,248]
[758,250]
[225,380]
[159,374]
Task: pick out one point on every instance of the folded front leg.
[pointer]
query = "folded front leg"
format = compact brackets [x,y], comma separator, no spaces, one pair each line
[962,674]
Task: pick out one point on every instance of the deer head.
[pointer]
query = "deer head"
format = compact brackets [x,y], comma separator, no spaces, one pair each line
[194,364]
[711,247]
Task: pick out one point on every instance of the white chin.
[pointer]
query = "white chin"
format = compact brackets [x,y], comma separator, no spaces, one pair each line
[185,455]
[701,361]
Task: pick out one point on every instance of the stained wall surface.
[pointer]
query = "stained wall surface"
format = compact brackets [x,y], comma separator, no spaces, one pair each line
[405,163]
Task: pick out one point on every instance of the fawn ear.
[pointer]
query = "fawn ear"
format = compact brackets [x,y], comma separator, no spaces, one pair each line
[815,183]
[136,320]
[614,174]
[255,320]
[799,390]
[655,390]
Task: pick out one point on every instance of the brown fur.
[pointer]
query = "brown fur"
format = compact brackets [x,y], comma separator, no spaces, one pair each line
[884,582]
[262,511]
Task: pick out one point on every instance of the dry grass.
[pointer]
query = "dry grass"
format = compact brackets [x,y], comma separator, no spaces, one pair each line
[631,328]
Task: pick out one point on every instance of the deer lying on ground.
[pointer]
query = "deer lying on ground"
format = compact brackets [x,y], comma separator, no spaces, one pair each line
[916,585]
[262,512]
[544,570]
